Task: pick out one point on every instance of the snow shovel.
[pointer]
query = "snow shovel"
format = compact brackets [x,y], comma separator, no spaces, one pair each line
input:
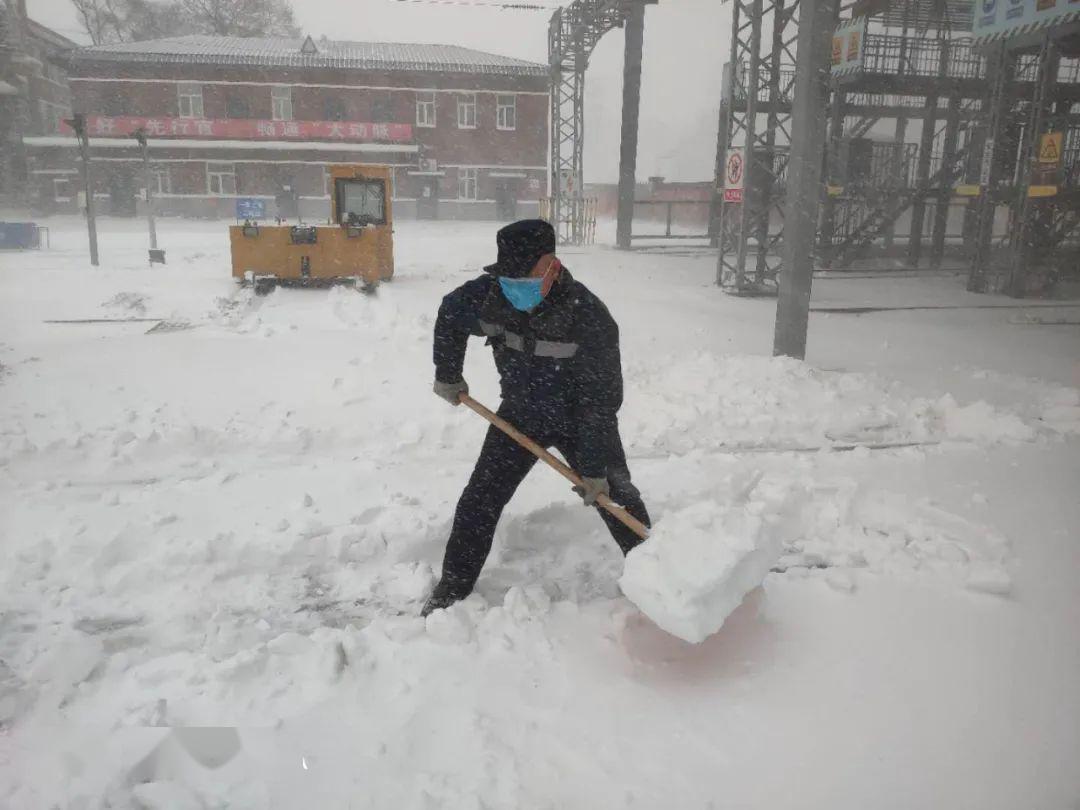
[686,582]
[624,517]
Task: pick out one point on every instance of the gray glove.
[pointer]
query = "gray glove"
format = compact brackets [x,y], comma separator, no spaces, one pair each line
[451,392]
[592,488]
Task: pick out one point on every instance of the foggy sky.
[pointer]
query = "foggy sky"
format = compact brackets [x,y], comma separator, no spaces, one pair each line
[686,44]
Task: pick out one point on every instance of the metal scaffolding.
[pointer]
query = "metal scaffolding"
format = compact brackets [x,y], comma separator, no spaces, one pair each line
[1035,94]
[573,33]
[904,68]
[925,74]
[755,133]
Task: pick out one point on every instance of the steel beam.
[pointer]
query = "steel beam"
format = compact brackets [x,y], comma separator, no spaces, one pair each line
[996,160]
[1025,225]
[573,32]
[945,187]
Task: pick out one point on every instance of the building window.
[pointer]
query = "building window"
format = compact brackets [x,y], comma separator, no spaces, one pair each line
[425,109]
[466,111]
[237,107]
[189,96]
[220,179]
[467,184]
[382,108]
[160,182]
[51,115]
[116,104]
[334,109]
[506,112]
[61,190]
[281,98]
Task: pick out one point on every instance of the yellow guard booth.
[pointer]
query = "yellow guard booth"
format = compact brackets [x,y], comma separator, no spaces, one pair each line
[357,245]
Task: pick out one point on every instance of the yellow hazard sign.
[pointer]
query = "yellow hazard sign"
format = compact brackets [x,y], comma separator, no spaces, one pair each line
[1050,147]
[1042,191]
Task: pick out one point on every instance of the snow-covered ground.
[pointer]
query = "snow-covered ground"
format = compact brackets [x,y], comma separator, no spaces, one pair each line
[226,517]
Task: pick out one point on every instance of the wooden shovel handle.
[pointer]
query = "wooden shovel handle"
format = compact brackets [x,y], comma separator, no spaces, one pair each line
[624,517]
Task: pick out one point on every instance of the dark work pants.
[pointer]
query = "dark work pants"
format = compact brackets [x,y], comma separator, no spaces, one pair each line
[502,466]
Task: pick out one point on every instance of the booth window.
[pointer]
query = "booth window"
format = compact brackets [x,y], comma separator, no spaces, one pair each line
[360,200]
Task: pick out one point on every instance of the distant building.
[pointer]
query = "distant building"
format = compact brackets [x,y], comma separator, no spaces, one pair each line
[465,132]
[34,95]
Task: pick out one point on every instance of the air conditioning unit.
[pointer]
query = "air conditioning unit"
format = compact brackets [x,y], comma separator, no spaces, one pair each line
[429,165]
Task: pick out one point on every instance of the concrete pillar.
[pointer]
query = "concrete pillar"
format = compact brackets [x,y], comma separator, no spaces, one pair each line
[809,111]
[635,34]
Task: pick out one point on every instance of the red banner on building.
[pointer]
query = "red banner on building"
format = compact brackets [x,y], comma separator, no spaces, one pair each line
[243,129]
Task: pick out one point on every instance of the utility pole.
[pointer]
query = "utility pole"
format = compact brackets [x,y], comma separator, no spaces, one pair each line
[140,136]
[635,34]
[817,19]
[78,123]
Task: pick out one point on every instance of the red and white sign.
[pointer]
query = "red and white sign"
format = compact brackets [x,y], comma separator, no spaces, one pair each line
[245,129]
[734,175]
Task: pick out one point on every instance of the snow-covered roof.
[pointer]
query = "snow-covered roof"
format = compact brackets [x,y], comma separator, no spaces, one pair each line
[290,52]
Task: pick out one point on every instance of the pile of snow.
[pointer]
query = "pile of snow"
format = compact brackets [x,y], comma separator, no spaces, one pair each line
[847,526]
[706,401]
[1060,410]
[700,561]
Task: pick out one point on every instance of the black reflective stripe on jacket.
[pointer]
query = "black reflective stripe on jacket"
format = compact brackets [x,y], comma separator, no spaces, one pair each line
[562,359]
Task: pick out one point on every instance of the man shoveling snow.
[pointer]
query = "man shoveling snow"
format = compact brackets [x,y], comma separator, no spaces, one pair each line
[557,351]
[556,347]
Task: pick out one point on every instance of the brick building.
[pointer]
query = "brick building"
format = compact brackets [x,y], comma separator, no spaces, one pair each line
[34,95]
[465,132]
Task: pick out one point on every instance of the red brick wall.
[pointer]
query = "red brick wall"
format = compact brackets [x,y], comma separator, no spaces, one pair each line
[262,172]
[484,146]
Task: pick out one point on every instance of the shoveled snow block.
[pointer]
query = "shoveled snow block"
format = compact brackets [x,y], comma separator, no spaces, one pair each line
[699,562]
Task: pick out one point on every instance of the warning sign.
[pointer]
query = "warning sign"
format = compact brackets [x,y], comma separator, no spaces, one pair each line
[1044,174]
[567,183]
[853,45]
[847,46]
[734,176]
[1050,148]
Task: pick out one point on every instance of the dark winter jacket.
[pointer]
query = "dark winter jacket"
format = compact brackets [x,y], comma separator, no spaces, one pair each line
[560,360]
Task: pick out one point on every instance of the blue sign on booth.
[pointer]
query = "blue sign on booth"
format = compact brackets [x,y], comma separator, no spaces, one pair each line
[250,208]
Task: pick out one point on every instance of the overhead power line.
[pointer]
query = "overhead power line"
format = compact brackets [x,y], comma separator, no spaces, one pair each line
[502,6]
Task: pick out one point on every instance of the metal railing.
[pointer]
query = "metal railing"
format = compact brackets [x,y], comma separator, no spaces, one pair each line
[669,218]
[785,86]
[1070,168]
[577,215]
[906,56]
[1027,68]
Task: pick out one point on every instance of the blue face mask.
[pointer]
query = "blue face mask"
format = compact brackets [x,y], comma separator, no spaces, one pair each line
[523,293]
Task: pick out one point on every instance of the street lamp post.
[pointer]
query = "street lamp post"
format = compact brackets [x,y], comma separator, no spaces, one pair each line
[156,256]
[78,123]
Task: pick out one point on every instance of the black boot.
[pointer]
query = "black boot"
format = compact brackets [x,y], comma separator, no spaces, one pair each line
[443,596]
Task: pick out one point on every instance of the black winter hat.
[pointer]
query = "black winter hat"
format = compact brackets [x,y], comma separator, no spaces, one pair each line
[521,244]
